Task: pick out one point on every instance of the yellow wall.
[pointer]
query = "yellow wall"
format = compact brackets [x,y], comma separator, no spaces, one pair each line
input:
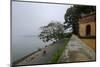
[82,28]
[90,42]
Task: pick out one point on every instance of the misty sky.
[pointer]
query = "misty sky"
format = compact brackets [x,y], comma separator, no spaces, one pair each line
[27,17]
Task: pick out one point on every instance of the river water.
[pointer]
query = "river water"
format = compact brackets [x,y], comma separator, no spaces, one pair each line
[27,18]
[24,45]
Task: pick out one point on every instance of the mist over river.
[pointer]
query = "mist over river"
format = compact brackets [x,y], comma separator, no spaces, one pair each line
[27,18]
[24,45]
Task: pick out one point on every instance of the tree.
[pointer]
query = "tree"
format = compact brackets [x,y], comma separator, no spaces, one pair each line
[52,32]
[73,14]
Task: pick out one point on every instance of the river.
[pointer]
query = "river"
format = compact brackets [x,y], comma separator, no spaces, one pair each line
[24,45]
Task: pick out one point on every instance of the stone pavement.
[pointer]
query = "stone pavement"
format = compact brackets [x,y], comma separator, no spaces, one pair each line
[76,51]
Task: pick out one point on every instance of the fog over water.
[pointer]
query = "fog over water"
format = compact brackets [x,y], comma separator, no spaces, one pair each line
[27,18]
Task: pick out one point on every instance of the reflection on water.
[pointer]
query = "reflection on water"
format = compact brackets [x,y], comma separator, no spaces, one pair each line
[24,45]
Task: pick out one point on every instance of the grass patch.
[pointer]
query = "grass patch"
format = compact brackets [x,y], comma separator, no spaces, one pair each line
[59,52]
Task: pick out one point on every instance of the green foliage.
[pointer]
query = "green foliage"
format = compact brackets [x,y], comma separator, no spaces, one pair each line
[55,57]
[73,14]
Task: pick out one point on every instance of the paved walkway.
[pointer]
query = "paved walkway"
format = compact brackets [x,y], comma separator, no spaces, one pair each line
[39,57]
[76,50]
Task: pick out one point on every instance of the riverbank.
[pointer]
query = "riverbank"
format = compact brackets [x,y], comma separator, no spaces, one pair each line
[39,58]
[63,51]
[23,59]
[19,60]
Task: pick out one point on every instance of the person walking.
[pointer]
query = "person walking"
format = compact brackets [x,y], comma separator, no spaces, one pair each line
[44,52]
